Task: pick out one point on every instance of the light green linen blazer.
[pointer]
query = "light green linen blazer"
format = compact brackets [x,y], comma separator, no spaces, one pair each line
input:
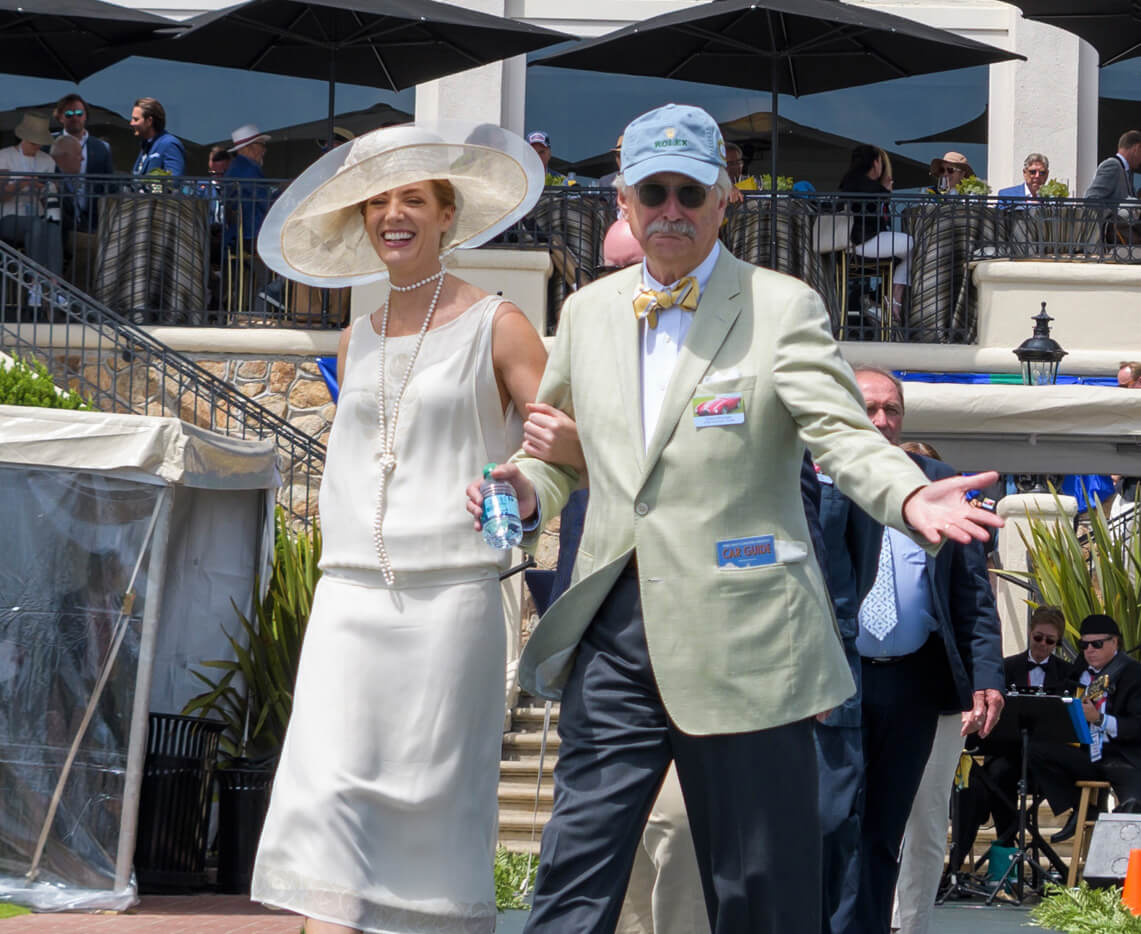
[732,649]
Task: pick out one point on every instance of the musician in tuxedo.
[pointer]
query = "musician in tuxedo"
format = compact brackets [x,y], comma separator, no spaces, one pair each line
[1109,683]
[697,628]
[1039,667]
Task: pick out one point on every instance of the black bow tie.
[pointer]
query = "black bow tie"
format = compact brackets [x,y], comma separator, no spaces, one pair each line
[1093,672]
[1034,664]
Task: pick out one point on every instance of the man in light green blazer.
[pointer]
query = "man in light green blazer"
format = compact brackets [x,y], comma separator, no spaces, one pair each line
[698,627]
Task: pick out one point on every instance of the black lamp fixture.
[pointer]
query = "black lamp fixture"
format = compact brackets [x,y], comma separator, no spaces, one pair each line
[1040,354]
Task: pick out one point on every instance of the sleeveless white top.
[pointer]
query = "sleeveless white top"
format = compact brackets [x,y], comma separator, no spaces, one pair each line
[451,423]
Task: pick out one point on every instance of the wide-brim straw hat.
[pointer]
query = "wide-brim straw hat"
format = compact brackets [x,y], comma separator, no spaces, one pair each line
[315,233]
[956,160]
[34,128]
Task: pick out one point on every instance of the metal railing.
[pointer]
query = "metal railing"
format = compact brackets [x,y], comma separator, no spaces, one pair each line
[165,249]
[169,250]
[119,367]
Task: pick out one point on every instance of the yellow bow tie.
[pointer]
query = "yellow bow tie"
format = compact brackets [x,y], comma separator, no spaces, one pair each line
[648,302]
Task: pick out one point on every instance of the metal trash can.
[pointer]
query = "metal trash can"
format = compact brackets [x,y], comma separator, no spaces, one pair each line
[174,802]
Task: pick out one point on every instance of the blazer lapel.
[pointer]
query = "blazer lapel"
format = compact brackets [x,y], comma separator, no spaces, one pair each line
[626,359]
[716,312]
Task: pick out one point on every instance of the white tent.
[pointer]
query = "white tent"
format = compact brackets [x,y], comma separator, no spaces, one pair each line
[128,538]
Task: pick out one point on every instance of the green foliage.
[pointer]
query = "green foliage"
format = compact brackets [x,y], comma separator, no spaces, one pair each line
[1084,911]
[765,182]
[1059,569]
[254,693]
[11,911]
[514,877]
[28,382]
[1054,189]
[972,185]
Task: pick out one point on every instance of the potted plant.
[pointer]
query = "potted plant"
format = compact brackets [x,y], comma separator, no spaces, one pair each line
[253,696]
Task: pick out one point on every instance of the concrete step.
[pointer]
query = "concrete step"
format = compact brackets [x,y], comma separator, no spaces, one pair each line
[519,844]
[530,719]
[521,794]
[525,770]
[522,745]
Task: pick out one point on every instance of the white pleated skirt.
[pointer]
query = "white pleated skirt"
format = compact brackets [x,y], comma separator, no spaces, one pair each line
[383,814]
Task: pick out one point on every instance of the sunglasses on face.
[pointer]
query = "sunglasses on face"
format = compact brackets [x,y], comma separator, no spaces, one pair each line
[690,195]
[1042,637]
[949,171]
[73,113]
[1037,172]
[1093,643]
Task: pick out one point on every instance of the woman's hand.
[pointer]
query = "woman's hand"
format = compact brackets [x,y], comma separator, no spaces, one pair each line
[551,435]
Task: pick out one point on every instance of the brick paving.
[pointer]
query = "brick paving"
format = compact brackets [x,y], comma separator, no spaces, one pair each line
[165,914]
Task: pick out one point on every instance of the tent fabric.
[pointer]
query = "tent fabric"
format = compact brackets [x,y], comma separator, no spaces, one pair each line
[167,449]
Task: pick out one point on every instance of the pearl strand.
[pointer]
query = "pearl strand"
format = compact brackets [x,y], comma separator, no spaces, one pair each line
[438,274]
[387,429]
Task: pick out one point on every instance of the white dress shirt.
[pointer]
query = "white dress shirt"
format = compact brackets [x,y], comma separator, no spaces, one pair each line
[660,346]
[1037,676]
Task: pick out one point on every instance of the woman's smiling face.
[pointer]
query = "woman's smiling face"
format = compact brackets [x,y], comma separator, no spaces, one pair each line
[404,222]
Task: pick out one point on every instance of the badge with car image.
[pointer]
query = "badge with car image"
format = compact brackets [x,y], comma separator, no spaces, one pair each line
[725,408]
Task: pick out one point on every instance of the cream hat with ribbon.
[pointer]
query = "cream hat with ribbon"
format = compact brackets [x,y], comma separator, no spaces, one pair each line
[314,232]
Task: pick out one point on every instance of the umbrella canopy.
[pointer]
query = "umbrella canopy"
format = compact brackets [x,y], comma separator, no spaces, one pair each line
[1115,115]
[70,39]
[1113,27]
[391,44]
[809,154]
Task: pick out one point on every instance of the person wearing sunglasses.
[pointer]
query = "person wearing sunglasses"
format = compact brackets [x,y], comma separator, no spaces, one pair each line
[1035,174]
[698,629]
[71,114]
[948,171]
[1109,683]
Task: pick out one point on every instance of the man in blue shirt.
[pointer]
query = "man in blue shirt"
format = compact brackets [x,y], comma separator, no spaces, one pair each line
[159,151]
[248,151]
[929,644]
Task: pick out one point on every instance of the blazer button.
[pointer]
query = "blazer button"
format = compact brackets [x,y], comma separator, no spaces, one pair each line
[641,509]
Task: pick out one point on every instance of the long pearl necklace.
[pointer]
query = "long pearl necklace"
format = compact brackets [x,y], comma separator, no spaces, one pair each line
[387,429]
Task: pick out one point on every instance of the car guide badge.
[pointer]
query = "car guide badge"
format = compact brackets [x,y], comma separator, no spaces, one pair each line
[726,408]
[751,552]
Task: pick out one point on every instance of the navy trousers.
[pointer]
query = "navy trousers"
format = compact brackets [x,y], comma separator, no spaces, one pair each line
[751,797]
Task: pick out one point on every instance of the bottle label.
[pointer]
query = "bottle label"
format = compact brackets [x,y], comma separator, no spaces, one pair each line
[500,504]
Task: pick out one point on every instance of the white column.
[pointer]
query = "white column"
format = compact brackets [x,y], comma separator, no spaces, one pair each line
[1047,104]
[495,93]
[1018,510]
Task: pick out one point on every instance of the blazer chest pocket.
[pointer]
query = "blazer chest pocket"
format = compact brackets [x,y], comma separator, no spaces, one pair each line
[717,387]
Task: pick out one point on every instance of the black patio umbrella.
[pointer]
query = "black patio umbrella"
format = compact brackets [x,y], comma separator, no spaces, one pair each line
[70,39]
[782,46]
[1113,27]
[391,44]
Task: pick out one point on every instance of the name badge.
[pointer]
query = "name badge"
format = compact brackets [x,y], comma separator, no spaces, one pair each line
[727,408]
[822,476]
[746,552]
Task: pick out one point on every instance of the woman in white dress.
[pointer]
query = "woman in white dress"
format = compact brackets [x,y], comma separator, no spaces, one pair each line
[383,814]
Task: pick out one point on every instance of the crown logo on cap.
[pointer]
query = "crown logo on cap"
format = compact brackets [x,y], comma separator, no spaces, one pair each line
[670,132]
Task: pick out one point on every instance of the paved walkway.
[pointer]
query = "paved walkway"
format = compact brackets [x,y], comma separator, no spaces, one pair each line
[235,914]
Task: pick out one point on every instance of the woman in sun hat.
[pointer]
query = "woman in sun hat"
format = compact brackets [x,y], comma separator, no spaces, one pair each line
[383,813]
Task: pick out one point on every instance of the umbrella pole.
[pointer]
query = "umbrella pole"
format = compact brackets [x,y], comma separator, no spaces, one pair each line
[774,138]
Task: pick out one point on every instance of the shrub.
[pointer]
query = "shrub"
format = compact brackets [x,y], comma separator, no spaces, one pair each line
[1085,911]
[28,382]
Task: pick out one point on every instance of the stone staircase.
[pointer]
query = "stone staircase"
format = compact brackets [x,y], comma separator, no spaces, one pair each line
[518,771]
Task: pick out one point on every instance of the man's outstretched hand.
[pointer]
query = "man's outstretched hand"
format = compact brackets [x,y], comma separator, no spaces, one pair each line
[524,492]
[941,510]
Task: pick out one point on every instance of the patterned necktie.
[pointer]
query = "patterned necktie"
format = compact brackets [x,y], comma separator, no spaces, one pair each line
[648,302]
[879,612]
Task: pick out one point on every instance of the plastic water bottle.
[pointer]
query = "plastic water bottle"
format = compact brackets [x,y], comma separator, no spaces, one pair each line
[502,527]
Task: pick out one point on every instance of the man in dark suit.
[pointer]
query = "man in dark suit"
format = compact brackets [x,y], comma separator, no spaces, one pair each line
[1113,183]
[851,547]
[1109,682]
[930,643]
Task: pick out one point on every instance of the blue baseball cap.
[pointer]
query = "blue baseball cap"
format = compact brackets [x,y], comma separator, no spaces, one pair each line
[673,138]
[538,136]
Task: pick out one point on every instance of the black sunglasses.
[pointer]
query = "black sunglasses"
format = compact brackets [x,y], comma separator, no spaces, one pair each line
[1093,643]
[1041,637]
[73,113]
[690,195]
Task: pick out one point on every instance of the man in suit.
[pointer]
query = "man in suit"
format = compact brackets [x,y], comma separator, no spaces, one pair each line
[696,629]
[1035,173]
[1112,708]
[930,643]
[1113,184]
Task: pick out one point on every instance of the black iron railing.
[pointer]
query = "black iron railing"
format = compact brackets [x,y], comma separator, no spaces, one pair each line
[181,250]
[119,367]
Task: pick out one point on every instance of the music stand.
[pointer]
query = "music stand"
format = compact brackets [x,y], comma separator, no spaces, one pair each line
[1048,717]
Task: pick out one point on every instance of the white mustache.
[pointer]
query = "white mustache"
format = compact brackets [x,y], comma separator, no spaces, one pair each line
[681,228]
